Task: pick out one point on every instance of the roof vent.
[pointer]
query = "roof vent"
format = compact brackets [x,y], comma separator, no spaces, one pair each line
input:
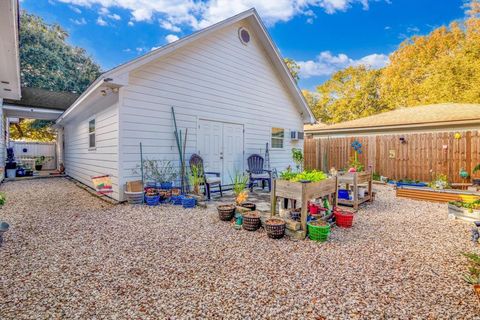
[244,35]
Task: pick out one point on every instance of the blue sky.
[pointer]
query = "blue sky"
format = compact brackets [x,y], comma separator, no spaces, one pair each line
[323,36]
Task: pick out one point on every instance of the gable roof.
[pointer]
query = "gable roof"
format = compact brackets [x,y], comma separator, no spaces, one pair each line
[264,37]
[44,99]
[428,116]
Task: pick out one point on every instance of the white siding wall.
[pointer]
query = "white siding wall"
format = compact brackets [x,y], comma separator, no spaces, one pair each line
[216,78]
[3,142]
[80,162]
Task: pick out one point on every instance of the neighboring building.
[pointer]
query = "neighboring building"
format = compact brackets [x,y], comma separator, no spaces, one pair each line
[9,66]
[229,87]
[435,117]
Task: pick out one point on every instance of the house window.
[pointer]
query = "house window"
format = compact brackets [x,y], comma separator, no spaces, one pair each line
[277,138]
[91,134]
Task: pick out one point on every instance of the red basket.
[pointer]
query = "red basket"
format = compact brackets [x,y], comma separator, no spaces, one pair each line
[343,218]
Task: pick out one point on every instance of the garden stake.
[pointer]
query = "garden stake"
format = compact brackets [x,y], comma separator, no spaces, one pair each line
[141,169]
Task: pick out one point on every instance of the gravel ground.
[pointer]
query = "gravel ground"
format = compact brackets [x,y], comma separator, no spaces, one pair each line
[71,255]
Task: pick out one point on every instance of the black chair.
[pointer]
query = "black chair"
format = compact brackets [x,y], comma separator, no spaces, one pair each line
[210,179]
[257,173]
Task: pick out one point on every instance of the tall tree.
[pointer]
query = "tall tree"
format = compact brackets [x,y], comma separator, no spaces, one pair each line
[350,94]
[47,61]
[293,67]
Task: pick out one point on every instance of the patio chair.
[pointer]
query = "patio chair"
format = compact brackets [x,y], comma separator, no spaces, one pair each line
[210,179]
[256,172]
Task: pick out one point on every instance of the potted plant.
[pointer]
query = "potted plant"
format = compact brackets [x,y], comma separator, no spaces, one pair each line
[3,199]
[297,156]
[343,218]
[240,181]
[11,165]
[152,198]
[476,181]
[473,276]
[196,180]
[159,173]
[440,182]
[40,161]
[275,228]
[251,220]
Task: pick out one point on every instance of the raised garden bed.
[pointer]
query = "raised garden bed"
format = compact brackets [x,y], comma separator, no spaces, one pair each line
[463,213]
[435,195]
[354,180]
[303,192]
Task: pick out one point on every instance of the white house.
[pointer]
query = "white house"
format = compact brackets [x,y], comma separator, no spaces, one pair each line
[228,85]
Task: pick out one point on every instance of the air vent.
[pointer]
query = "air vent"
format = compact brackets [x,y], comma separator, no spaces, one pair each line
[296,135]
[244,35]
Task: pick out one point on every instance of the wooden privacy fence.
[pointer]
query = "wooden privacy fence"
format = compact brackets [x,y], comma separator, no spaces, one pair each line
[416,156]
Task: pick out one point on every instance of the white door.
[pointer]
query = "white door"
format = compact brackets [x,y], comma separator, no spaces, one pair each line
[220,145]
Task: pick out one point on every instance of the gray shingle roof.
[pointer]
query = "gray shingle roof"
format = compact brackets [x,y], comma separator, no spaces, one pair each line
[41,98]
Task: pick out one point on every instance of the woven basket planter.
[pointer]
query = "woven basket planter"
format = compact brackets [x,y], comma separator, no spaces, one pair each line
[226,212]
[251,220]
[275,228]
[134,197]
[249,205]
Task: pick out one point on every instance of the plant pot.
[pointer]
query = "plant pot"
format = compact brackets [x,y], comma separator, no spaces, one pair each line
[343,194]
[251,220]
[476,182]
[152,200]
[189,202]
[343,218]
[476,288]
[318,230]
[177,200]
[134,197]
[361,192]
[38,167]
[226,212]
[275,228]
[11,173]
[176,191]
[249,205]
[296,214]
[166,185]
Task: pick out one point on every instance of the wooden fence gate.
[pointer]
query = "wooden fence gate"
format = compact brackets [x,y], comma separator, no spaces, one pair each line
[416,156]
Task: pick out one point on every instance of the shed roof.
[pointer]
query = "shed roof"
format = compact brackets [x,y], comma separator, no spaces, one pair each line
[444,114]
[41,98]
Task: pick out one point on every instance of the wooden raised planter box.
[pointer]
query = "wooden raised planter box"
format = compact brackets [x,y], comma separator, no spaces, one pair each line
[355,180]
[463,213]
[303,192]
[432,195]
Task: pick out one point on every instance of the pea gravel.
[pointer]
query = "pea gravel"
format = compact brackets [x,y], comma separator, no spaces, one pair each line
[71,255]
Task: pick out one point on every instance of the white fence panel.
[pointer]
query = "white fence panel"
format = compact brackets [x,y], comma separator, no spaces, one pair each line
[30,150]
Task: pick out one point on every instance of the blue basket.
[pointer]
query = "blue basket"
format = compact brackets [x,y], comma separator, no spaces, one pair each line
[189,203]
[150,184]
[177,200]
[152,200]
[343,194]
[166,185]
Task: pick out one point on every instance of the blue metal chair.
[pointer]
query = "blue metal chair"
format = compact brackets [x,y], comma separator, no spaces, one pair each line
[210,179]
[256,172]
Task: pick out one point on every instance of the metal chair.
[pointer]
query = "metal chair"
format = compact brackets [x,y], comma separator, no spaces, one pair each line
[256,172]
[210,179]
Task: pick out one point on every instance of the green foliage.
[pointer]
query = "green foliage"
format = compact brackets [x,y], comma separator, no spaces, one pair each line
[297,156]
[196,178]
[376,176]
[41,160]
[473,276]
[157,170]
[3,198]
[440,182]
[293,67]
[443,66]
[239,181]
[32,130]
[477,168]
[308,175]
[47,61]
[470,205]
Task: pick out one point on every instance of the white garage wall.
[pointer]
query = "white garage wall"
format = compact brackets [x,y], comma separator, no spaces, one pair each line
[216,78]
[80,162]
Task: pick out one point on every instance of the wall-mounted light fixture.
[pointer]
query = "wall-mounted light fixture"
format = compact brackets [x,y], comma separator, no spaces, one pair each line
[403,140]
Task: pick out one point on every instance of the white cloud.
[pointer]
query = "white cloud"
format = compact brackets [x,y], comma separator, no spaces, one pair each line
[130,23]
[171,38]
[114,16]
[199,14]
[75,9]
[326,63]
[101,22]
[79,22]
[169,26]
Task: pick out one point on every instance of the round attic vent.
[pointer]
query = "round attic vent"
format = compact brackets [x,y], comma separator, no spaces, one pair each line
[244,35]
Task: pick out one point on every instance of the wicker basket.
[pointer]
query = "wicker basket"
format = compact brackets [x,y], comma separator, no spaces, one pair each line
[249,205]
[275,228]
[251,220]
[226,212]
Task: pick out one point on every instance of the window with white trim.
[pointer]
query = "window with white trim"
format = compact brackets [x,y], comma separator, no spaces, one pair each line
[277,138]
[91,134]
